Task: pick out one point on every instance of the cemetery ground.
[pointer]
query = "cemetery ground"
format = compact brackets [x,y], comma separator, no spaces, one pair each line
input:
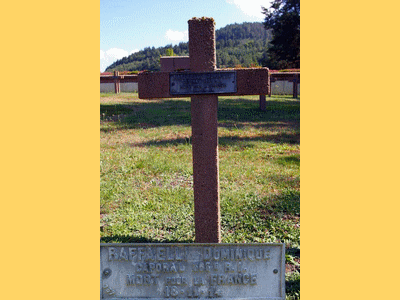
[146,173]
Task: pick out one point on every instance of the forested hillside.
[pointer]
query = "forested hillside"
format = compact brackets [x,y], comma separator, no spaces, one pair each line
[237,45]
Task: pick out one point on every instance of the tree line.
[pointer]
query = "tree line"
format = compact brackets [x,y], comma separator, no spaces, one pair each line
[275,43]
[236,45]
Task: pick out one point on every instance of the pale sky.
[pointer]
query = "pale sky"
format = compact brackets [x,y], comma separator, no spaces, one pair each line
[128,26]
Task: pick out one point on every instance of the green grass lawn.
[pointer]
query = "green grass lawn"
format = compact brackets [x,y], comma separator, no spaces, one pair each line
[146,173]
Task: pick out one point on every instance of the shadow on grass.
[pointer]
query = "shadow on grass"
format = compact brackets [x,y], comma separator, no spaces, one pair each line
[139,239]
[292,287]
[147,114]
[286,203]
[289,160]
[281,119]
[281,138]
[231,112]
[245,110]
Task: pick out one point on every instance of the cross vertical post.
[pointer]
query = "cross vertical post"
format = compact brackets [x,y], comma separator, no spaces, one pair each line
[204,111]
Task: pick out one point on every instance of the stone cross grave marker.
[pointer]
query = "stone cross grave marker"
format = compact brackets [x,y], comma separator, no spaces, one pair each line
[203,83]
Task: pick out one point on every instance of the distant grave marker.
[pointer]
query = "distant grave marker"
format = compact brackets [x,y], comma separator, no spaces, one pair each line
[117,82]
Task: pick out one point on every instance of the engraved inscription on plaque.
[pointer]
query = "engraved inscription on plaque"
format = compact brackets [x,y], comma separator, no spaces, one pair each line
[225,271]
[187,83]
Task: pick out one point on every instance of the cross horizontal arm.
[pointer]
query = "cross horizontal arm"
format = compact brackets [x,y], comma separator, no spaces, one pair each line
[250,81]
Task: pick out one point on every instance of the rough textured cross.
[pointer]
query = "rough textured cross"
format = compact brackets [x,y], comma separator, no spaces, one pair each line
[204,108]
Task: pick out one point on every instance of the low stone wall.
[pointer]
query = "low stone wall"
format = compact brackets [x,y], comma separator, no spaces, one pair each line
[278,87]
[118,83]
[125,87]
[281,83]
[107,88]
[283,87]
[129,87]
[285,83]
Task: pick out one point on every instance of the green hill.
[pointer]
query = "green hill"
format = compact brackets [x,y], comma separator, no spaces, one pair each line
[237,45]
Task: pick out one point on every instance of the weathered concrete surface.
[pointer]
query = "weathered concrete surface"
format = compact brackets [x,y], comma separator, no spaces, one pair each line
[184,271]
[173,63]
[250,81]
[205,168]
[202,51]
[154,85]
[204,110]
